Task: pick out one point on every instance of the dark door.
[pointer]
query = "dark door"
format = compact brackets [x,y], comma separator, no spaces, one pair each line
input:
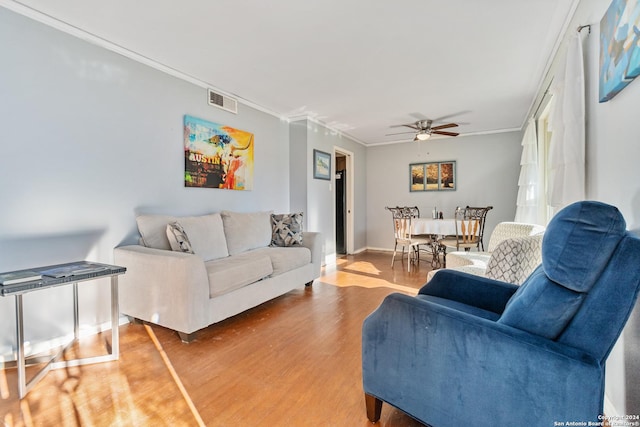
[341,206]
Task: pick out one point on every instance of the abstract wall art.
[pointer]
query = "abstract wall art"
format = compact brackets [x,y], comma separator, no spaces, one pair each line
[619,47]
[217,156]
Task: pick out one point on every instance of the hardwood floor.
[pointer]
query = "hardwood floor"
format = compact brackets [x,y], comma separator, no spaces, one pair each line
[292,361]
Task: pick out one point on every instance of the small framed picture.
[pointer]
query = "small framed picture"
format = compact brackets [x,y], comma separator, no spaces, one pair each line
[321,165]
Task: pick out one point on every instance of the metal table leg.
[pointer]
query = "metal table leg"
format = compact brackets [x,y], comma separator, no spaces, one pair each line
[25,386]
[20,361]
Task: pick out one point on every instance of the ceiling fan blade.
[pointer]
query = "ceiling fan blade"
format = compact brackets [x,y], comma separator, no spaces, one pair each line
[440,132]
[419,116]
[400,133]
[448,125]
[448,116]
[409,125]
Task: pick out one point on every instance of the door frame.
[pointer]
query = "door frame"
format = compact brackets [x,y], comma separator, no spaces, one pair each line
[349,229]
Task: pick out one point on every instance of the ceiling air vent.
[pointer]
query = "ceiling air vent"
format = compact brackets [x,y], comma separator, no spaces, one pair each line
[224,102]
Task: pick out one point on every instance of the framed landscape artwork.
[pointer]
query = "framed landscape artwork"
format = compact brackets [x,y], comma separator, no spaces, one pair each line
[619,47]
[321,165]
[432,176]
[217,156]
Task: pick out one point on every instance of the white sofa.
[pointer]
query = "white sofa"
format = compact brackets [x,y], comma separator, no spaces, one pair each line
[187,273]
[513,252]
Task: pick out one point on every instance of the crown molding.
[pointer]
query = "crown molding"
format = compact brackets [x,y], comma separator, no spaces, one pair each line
[74,31]
[294,119]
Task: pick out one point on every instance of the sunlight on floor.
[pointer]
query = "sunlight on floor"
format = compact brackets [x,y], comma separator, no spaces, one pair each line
[346,272]
[4,386]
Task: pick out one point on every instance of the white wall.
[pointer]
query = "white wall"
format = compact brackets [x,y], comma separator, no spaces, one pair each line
[488,167]
[319,195]
[88,139]
[613,176]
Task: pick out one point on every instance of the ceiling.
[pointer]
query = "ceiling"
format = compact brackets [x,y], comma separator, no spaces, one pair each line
[356,66]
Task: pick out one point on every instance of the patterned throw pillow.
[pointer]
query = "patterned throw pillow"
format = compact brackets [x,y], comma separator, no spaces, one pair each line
[287,229]
[178,238]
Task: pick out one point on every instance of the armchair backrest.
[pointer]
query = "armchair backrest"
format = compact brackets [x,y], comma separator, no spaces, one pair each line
[583,292]
[509,230]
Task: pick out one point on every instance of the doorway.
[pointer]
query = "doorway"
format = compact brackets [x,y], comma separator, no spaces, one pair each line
[343,180]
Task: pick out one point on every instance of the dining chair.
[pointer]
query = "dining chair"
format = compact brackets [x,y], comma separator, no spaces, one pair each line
[469,230]
[403,234]
[414,211]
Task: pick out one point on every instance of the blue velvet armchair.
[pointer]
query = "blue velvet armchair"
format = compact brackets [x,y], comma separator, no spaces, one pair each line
[471,351]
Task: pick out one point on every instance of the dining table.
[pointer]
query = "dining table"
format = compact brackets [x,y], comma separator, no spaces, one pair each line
[435,228]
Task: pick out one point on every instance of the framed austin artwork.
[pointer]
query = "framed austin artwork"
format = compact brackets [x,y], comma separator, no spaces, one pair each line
[217,156]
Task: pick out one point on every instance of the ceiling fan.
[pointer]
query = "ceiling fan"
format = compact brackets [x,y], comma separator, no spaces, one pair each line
[424,130]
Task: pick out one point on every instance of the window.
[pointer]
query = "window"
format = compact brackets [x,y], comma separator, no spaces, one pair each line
[545,212]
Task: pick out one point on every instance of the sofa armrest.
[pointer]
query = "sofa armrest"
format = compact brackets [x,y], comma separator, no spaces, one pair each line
[469,289]
[313,241]
[167,288]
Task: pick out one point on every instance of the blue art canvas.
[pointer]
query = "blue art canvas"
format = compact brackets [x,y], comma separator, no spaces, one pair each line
[619,47]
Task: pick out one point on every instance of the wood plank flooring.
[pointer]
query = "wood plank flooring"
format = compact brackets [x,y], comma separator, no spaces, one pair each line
[293,361]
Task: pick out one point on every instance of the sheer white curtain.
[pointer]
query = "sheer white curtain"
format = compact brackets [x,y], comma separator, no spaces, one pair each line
[528,196]
[566,173]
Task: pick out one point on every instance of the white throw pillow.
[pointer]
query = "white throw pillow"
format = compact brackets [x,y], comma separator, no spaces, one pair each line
[178,238]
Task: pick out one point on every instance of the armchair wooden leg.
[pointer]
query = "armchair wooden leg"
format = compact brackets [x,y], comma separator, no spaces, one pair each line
[374,407]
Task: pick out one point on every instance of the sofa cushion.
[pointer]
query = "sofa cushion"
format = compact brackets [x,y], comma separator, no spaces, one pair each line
[246,231]
[234,272]
[204,233]
[286,229]
[284,259]
[153,230]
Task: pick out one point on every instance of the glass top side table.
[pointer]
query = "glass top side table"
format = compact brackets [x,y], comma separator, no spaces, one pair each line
[59,275]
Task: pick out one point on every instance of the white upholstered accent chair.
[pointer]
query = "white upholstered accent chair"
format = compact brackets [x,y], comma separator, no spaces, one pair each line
[513,252]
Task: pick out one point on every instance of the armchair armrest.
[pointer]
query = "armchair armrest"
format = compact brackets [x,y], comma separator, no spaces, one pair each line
[164,287]
[470,289]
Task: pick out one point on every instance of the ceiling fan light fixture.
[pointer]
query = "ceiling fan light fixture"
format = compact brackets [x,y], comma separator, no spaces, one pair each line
[422,136]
